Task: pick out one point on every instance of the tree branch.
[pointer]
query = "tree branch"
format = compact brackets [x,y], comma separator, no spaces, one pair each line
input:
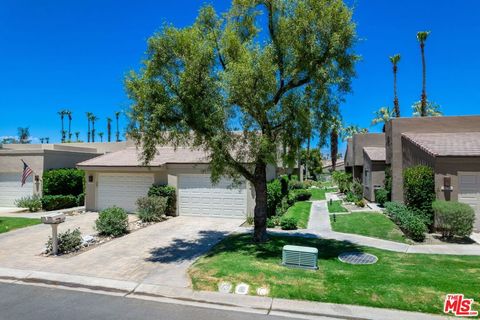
[292,84]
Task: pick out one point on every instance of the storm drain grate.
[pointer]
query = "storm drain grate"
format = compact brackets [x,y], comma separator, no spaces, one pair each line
[357,258]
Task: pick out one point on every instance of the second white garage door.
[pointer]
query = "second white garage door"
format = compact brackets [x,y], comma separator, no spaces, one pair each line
[469,192]
[11,188]
[122,190]
[198,196]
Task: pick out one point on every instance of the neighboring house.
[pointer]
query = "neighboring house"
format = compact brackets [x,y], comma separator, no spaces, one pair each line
[373,171]
[40,157]
[120,178]
[354,154]
[327,165]
[348,160]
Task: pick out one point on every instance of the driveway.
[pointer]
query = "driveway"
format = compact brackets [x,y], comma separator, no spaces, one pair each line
[159,254]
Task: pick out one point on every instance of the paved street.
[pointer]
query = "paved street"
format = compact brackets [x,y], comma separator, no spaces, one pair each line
[21,302]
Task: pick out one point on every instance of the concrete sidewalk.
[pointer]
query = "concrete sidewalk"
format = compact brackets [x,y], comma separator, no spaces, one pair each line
[252,304]
[319,224]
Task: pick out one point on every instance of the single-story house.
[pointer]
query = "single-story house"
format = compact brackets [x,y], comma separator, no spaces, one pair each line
[120,178]
[327,165]
[354,159]
[373,171]
[348,159]
[40,157]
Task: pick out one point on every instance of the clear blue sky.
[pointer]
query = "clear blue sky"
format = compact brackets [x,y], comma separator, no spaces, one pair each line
[74,55]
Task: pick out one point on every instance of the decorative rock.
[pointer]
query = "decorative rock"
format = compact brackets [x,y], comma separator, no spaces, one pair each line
[262,291]
[242,288]
[87,239]
[225,287]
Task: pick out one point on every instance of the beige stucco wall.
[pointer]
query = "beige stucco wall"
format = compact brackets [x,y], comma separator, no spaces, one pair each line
[375,179]
[362,140]
[397,126]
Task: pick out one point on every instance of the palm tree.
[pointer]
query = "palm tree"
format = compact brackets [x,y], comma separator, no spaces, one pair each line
[93,119]
[61,113]
[396,107]
[89,118]
[100,134]
[47,140]
[117,115]
[77,135]
[422,37]
[432,110]
[109,129]
[68,113]
[23,135]
[42,140]
[382,115]
[351,130]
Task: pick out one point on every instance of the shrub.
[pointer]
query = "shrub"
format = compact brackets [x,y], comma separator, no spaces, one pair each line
[388,182]
[68,241]
[251,219]
[301,194]
[283,206]
[351,197]
[294,185]
[381,196]
[357,189]
[168,192]
[271,222]
[419,190]
[360,203]
[151,209]
[343,180]
[274,196]
[284,184]
[33,203]
[81,199]
[63,182]
[453,218]
[112,222]
[411,223]
[57,202]
[288,223]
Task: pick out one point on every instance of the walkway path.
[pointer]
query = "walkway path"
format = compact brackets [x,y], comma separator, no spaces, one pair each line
[319,224]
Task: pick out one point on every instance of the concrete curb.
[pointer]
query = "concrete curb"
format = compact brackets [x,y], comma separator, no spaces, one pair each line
[186,296]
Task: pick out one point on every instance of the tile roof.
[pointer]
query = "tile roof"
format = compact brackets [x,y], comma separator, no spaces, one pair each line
[130,157]
[375,153]
[447,144]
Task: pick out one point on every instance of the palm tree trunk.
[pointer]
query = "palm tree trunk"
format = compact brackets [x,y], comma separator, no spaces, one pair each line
[70,128]
[93,130]
[118,132]
[423,110]
[63,132]
[88,134]
[334,147]
[395,97]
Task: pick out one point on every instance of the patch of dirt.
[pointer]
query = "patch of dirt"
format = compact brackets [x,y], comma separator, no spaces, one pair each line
[436,238]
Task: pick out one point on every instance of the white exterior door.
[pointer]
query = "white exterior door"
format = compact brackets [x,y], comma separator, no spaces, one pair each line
[11,188]
[197,196]
[122,190]
[469,192]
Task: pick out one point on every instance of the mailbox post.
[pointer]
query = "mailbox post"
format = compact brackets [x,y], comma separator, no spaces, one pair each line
[54,219]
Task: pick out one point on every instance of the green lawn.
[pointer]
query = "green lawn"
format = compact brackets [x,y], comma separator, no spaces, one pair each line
[300,211]
[336,206]
[8,224]
[415,282]
[319,194]
[372,224]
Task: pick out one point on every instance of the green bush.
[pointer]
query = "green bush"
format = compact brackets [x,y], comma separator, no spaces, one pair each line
[63,182]
[284,184]
[360,203]
[357,189]
[453,218]
[288,223]
[151,209]
[81,199]
[250,219]
[33,203]
[274,196]
[168,192]
[112,222]
[295,184]
[351,197]
[343,180]
[283,206]
[388,182]
[410,222]
[271,222]
[301,194]
[57,202]
[68,241]
[381,196]
[419,190]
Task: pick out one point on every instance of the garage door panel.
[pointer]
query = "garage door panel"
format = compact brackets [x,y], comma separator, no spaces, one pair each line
[11,188]
[469,193]
[198,197]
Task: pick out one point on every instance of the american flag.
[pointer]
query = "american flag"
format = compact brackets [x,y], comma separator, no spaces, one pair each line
[26,172]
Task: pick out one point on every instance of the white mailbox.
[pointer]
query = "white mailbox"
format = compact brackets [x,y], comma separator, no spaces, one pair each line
[53,218]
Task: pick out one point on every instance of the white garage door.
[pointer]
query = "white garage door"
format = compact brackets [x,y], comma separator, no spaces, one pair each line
[197,196]
[122,190]
[469,192]
[11,188]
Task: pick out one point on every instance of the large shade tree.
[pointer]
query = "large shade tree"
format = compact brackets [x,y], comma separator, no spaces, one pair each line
[233,87]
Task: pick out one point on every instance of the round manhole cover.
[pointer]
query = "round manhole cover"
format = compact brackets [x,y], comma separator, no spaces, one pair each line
[357,258]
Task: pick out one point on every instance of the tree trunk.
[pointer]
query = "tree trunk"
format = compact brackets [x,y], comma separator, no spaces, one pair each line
[423,110]
[395,97]
[260,213]
[334,147]
[88,135]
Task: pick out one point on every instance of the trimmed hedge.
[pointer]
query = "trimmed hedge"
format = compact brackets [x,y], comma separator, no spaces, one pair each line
[419,190]
[381,196]
[410,222]
[168,192]
[63,182]
[301,195]
[453,218]
[274,196]
[57,202]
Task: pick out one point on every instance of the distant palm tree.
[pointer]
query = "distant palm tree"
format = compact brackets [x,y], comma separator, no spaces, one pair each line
[77,135]
[68,113]
[396,107]
[100,134]
[117,115]
[422,37]
[47,140]
[351,130]
[432,110]
[382,115]
[109,129]
[42,140]
[93,119]
[61,113]
[23,135]
[89,118]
